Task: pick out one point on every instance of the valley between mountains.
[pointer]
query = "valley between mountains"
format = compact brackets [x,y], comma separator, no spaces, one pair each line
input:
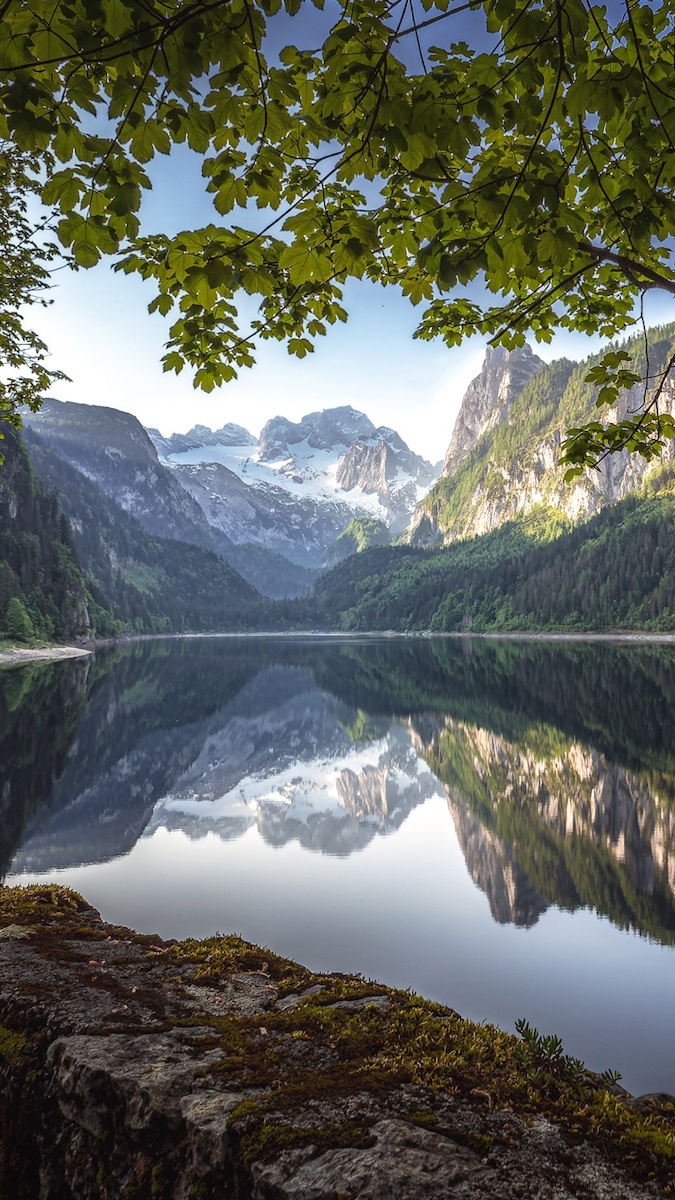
[107,528]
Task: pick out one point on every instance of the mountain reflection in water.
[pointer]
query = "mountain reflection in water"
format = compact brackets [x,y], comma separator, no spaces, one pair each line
[551,821]
[319,743]
[556,764]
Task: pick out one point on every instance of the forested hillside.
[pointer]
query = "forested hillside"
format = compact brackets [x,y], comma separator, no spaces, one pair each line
[360,534]
[140,583]
[42,591]
[616,571]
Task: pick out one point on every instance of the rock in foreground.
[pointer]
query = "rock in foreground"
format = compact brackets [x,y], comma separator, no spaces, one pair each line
[136,1068]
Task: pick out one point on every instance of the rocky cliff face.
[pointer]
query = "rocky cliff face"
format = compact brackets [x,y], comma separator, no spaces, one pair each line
[488,398]
[503,458]
[299,487]
[534,479]
[389,470]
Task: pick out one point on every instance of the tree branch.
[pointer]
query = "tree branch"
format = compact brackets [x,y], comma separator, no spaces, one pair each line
[647,276]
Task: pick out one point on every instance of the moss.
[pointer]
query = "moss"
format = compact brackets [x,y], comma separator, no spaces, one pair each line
[306,1059]
[40,903]
[638,1135]
[267,1138]
[21,1077]
[13,1046]
[428,1119]
[480,1143]
[161,1181]
[217,957]
[416,1042]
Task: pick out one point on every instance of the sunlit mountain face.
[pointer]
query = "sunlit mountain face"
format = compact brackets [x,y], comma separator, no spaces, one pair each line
[482,821]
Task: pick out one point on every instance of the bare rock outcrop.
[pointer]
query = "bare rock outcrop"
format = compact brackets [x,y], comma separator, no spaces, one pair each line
[488,397]
[150,1070]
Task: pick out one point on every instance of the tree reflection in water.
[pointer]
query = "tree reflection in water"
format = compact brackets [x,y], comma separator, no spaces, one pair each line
[557,760]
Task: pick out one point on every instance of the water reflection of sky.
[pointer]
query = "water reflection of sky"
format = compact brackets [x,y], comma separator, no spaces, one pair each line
[404,910]
[252,800]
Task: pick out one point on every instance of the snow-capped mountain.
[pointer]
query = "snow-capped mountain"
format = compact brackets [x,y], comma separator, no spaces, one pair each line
[297,487]
[201,435]
[113,450]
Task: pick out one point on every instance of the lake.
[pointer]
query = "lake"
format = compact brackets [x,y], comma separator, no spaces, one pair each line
[489,823]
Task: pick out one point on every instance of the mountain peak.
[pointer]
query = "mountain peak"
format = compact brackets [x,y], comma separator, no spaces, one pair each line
[322,430]
[201,435]
[108,431]
[488,398]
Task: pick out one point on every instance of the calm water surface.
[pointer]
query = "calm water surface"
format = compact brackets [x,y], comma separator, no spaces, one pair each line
[490,824]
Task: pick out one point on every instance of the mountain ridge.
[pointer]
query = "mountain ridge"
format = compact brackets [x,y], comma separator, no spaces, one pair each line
[113,450]
[138,582]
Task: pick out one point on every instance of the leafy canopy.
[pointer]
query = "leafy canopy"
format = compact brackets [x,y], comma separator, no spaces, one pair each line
[522,181]
[25,256]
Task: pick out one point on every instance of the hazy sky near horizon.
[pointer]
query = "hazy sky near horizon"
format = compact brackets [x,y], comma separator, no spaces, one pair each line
[99,332]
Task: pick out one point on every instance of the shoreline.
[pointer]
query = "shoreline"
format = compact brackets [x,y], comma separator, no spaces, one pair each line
[513,636]
[17,655]
[217,1067]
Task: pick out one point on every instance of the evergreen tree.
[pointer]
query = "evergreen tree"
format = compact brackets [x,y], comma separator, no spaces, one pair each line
[18,624]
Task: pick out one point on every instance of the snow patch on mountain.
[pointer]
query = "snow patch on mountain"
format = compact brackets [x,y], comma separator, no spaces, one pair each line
[298,487]
[309,473]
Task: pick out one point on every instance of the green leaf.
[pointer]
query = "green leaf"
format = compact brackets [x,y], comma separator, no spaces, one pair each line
[305,264]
